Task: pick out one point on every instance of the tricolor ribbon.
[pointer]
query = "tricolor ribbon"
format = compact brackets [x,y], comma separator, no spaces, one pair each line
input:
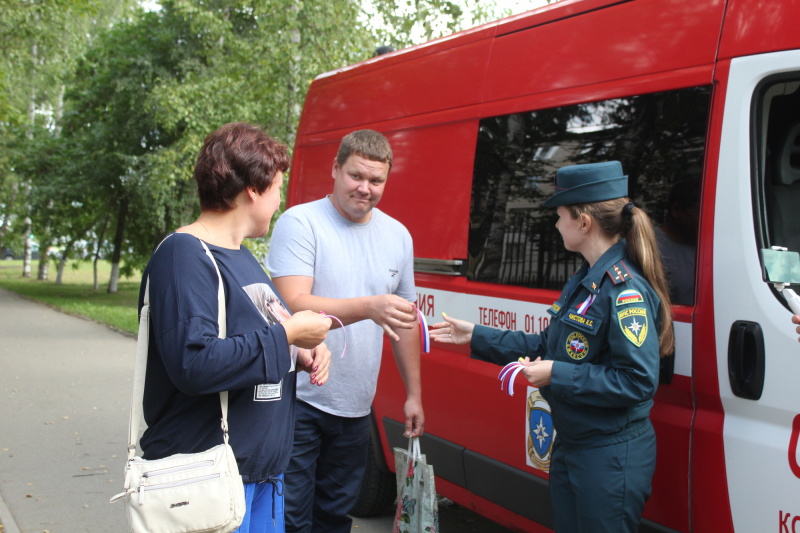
[424,335]
[344,349]
[508,374]
[586,304]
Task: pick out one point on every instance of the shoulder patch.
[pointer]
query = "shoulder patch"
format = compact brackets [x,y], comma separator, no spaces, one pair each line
[619,273]
[633,323]
[629,297]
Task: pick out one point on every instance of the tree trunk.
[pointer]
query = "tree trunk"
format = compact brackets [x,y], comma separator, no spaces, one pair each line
[62,262]
[26,257]
[100,240]
[113,282]
[44,259]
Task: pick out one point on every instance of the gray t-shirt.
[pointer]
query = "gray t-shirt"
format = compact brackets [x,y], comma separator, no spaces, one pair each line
[346,260]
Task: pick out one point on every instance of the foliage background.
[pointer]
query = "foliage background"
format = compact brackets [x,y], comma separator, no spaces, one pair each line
[104,104]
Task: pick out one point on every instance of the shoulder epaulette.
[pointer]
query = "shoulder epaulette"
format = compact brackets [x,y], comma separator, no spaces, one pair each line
[619,273]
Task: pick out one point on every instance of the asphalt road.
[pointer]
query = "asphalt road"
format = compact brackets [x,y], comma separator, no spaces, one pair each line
[65,387]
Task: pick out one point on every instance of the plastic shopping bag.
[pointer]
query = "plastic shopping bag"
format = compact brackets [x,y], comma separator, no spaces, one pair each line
[417,510]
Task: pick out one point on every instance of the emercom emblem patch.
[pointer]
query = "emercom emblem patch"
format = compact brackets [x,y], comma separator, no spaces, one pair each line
[577,346]
[633,322]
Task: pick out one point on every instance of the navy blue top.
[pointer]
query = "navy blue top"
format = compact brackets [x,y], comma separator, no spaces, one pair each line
[188,364]
[603,339]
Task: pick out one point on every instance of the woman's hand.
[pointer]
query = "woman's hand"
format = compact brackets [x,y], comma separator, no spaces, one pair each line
[452,330]
[316,362]
[306,329]
[537,372]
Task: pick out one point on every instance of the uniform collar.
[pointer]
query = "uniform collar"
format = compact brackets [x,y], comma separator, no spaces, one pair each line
[594,276]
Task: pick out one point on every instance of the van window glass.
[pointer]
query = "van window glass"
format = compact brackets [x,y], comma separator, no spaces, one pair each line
[660,140]
[777,136]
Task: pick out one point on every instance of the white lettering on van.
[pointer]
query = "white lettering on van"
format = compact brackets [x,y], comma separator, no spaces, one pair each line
[425,303]
[497,318]
[783,523]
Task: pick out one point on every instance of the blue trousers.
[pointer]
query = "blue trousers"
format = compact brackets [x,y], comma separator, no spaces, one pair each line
[602,490]
[324,476]
[264,512]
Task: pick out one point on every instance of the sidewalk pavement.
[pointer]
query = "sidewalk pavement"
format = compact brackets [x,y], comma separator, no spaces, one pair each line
[65,388]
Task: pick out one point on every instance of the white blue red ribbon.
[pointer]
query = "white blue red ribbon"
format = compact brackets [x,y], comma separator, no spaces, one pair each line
[507,376]
[344,334]
[424,334]
[586,304]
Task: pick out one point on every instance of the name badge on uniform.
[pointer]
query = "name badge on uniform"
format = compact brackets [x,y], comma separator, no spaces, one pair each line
[582,321]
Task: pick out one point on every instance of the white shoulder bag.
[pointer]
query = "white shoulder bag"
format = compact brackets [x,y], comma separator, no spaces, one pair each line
[186,493]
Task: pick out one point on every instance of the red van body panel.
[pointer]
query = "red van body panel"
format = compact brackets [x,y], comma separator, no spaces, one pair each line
[429,100]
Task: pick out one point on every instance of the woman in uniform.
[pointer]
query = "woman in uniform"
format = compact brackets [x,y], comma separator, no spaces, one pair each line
[597,364]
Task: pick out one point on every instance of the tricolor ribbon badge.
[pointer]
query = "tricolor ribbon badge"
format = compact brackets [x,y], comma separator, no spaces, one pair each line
[508,374]
[424,335]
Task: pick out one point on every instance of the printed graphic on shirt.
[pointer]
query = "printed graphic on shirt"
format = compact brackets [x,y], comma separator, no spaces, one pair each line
[274,312]
[629,297]
[633,322]
[577,346]
[540,431]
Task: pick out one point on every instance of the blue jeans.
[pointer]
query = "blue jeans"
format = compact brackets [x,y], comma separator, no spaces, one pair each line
[264,507]
[324,474]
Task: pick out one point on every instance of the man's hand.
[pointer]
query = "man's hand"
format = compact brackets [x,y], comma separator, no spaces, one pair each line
[415,418]
[316,362]
[390,311]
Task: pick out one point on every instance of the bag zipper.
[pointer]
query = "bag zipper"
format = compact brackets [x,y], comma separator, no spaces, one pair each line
[143,488]
[173,469]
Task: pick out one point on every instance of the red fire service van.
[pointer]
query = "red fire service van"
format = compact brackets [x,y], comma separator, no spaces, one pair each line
[700,101]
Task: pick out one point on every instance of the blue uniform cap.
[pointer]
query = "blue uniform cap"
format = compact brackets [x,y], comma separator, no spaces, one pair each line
[592,182]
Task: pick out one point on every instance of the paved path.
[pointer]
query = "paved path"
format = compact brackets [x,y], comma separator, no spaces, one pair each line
[65,387]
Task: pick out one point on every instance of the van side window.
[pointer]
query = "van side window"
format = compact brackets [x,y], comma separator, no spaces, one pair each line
[777,138]
[658,137]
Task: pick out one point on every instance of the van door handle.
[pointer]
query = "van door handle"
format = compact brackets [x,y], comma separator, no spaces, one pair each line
[746,359]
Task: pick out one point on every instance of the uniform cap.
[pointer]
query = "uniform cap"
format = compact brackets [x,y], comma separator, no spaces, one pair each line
[592,182]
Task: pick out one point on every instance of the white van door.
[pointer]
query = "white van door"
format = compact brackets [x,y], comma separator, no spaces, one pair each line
[758,356]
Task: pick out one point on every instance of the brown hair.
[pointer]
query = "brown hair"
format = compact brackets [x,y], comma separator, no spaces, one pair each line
[368,144]
[635,226]
[236,156]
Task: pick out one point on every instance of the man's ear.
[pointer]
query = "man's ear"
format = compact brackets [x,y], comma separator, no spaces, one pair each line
[334,168]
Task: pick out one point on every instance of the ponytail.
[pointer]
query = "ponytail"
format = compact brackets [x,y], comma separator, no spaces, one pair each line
[621,217]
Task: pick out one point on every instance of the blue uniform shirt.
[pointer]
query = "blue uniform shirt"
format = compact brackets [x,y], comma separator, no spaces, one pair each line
[603,340]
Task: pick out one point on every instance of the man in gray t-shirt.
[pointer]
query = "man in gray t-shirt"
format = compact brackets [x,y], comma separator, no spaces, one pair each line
[343,256]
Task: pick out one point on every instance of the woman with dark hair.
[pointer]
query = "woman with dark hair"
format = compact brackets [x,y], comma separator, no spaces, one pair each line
[239,173]
[597,364]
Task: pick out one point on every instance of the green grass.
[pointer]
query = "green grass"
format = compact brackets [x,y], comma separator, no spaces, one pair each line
[76,294]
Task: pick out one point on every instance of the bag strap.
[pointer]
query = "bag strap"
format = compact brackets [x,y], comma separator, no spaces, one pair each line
[140,366]
[414,451]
